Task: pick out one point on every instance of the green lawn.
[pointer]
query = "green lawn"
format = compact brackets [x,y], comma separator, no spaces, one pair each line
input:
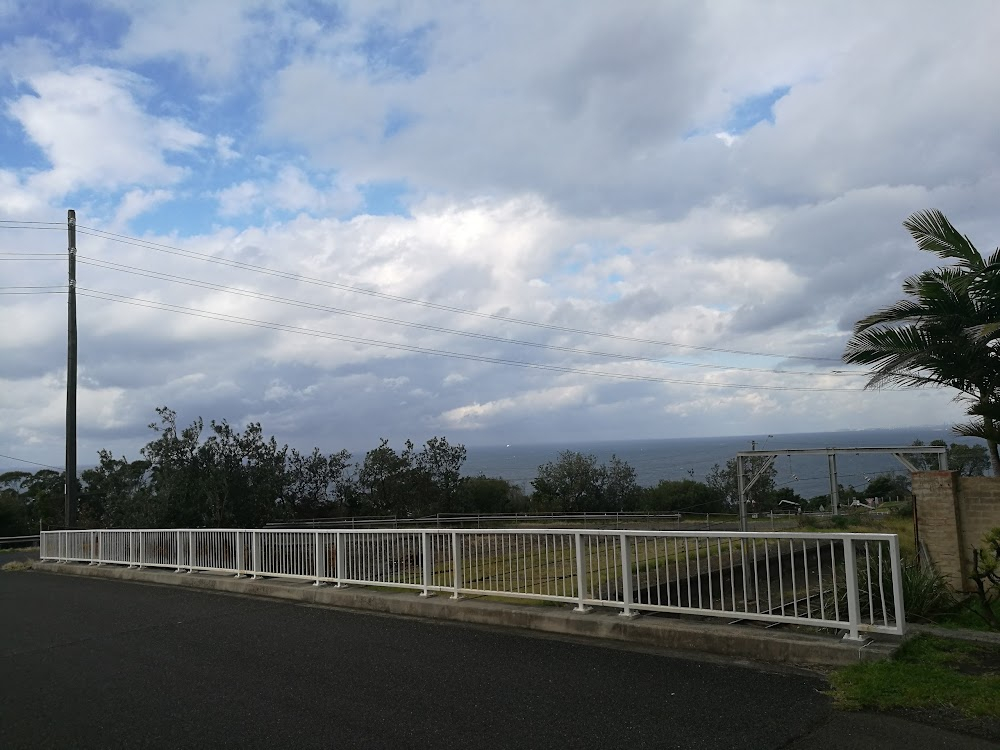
[927,672]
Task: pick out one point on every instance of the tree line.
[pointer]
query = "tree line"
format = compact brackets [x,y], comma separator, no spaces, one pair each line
[217,476]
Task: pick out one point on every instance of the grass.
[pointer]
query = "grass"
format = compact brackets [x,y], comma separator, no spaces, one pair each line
[7,550]
[925,673]
[864,523]
[15,565]
[964,618]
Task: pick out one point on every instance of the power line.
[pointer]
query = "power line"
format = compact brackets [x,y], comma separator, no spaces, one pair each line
[171,250]
[122,268]
[225,317]
[4,223]
[35,291]
[30,256]
[26,461]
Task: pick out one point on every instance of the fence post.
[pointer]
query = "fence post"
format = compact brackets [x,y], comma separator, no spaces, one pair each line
[142,548]
[180,549]
[627,592]
[425,560]
[456,557]
[581,582]
[240,544]
[853,604]
[319,563]
[255,552]
[897,585]
[93,547]
[341,560]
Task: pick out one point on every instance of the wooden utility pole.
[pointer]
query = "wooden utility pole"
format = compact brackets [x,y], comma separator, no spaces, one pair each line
[71,500]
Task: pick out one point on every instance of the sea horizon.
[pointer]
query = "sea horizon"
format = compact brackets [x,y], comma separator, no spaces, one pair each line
[694,458]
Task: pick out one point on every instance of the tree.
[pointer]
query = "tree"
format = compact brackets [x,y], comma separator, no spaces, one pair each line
[385,480]
[439,469]
[576,483]
[314,484]
[945,332]
[482,494]
[725,481]
[888,487]
[685,495]
[118,493]
[967,460]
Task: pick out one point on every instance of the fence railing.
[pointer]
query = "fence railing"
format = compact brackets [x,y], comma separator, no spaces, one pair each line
[850,582]
[18,541]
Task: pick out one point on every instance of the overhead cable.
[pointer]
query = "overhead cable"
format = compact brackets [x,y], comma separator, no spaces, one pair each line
[171,250]
[198,283]
[224,317]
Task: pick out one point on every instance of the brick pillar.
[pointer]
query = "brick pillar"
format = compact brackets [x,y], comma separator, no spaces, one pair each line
[937,508]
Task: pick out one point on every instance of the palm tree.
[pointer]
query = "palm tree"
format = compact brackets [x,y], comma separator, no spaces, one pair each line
[945,332]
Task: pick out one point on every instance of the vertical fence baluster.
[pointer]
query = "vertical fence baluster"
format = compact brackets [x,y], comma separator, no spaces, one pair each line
[626,560]
[580,575]
[851,574]
[425,547]
[341,541]
[456,555]
[897,585]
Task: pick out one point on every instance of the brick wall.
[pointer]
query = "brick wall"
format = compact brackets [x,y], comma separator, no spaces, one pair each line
[953,514]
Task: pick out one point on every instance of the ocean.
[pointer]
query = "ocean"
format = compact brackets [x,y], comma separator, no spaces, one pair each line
[693,458]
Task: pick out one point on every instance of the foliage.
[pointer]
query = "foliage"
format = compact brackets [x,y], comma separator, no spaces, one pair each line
[926,594]
[219,476]
[763,496]
[685,495]
[576,483]
[986,576]
[968,460]
[944,333]
[482,494]
[29,502]
[888,487]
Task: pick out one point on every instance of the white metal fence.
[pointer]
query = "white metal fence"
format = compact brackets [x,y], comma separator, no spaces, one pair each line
[850,582]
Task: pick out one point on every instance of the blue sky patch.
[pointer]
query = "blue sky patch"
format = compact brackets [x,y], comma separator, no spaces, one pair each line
[754,109]
[385,199]
[396,121]
[187,215]
[79,24]
[398,54]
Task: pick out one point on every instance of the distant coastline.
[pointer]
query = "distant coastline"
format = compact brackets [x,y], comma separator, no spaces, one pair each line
[693,458]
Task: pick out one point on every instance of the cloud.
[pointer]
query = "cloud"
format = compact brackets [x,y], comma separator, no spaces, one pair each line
[95,134]
[688,182]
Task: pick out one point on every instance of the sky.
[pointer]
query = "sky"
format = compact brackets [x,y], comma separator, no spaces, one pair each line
[491,221]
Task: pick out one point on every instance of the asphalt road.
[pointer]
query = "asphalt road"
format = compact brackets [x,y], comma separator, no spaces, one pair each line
[91,663]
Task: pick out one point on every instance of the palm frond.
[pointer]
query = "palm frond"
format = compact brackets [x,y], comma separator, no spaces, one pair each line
[977,428]
[932,232]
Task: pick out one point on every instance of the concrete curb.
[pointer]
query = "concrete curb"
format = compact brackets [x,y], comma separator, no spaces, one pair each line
[658,632]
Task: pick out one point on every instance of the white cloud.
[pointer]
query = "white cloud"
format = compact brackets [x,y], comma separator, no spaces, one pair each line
[585,166]
[224,147]
[94,132]
[137,202]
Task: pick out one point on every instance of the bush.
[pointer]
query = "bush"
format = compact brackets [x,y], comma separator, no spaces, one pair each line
[903,510]
[926,595]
